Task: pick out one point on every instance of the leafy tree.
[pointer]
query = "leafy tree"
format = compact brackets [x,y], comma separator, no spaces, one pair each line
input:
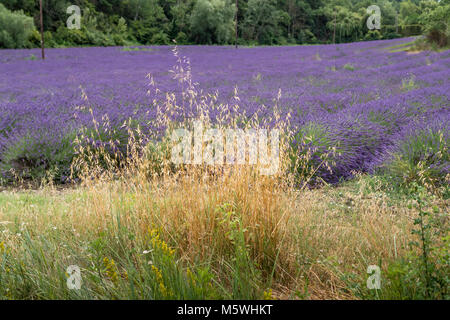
[263,21]
[15,28]
[436,21]
[180,14]
[28,6]
[348,24]
[301,18]
[212,21]
[409,13]
[150,25]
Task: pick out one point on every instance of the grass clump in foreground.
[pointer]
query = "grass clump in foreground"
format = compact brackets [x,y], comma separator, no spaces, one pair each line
[230,236]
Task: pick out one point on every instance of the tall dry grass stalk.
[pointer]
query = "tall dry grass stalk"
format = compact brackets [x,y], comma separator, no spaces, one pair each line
[293,236]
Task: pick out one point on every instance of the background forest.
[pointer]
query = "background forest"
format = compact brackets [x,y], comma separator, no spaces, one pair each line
[260,22]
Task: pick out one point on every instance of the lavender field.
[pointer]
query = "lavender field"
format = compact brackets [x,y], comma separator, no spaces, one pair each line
[364,182]
[366,98]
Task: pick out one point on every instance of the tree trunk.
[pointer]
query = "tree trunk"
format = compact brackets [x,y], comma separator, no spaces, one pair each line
[42,29]
[236,26]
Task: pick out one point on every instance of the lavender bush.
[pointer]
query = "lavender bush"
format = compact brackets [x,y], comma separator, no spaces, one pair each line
[420,153]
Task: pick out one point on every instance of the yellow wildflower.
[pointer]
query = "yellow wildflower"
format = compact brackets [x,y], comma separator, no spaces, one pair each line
[159,278]
[160,244]
[268,295]
[111,268]
[191,276]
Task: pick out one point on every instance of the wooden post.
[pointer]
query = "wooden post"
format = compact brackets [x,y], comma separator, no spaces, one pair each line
[42,30]
[236,26]
[396,22]
[334,31]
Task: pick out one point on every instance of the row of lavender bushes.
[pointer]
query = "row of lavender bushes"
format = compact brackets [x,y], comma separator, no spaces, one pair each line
[371,143]
[358,124]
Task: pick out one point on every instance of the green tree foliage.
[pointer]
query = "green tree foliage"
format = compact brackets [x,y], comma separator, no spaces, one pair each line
[436,21]
[266,22]
[15,28]
[301,21]
[149,23]
[346,22]
[409,13]
[212,21]
[27,6]
[180,14]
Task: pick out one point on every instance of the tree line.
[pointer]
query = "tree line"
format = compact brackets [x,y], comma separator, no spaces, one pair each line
[259,22]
